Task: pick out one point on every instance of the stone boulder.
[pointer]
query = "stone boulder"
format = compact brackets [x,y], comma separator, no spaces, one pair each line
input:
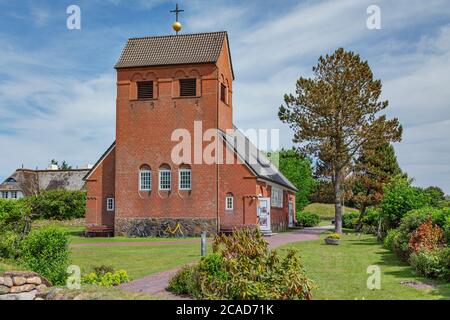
[21,285]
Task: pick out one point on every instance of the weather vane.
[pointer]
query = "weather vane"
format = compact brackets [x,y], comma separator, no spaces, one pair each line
[177,25]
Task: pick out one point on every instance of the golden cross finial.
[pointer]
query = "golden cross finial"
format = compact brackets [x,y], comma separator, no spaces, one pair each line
[177,25]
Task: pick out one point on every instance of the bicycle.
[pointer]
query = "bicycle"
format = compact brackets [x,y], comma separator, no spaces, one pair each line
[177,232]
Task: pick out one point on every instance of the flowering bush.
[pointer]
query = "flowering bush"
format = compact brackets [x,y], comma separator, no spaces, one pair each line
[334,236]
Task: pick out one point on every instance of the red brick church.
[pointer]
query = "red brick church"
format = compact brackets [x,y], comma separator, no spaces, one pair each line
[136,188]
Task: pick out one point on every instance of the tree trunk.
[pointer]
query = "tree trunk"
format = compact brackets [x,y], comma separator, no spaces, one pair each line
[360,219]
[337,202]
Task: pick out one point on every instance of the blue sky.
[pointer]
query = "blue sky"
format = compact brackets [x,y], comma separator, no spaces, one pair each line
[57,86]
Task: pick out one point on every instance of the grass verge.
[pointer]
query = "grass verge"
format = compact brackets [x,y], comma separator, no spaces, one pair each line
[340,272]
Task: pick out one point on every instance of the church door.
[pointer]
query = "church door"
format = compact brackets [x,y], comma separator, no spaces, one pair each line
[264,214]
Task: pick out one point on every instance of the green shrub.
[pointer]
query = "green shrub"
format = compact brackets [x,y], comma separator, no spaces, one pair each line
[186,282]
[372,217]
[390,238]
[400,198]
[371,221]
[14,226]
[58,204]
[243,268]
[432,263]
[350,220]
[446,229]
[306,219]
[106,277]
[46,252]
[298,170]
[436,197]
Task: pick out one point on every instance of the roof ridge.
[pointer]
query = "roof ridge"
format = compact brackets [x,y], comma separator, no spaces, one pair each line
[50,170]
[179,35]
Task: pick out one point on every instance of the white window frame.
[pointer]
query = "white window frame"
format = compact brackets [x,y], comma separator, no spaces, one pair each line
[14,195]
[5,194]
[161,171]
[141,172]
[180,187]
[227,198]
[276,197]
[110,204]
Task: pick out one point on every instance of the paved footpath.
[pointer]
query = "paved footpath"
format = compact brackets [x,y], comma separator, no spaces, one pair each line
[156,284]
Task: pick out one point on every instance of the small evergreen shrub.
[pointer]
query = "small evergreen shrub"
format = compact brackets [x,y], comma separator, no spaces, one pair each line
[306,219]
[46,252]
[350,220]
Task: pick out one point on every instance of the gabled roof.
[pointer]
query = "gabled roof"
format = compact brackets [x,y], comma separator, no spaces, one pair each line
[172,50]
[103,156]
[262,167]
[33,181]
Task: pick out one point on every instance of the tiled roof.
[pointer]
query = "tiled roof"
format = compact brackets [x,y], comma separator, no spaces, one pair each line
[255,159]
[172,50]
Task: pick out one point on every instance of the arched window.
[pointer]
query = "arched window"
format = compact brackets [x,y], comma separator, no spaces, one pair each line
[165,178]
[229,201]
[145,178]
[185,178]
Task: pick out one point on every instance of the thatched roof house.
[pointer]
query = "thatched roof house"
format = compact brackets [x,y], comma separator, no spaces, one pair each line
[25,182]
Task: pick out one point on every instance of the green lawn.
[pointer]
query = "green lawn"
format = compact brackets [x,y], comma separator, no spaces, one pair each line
[340,271]
[82,240]
[138,261]
[326,210]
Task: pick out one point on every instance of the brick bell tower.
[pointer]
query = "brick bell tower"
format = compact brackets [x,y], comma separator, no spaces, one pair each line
[166,83]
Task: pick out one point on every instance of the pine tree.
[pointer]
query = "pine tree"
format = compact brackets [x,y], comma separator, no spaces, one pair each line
[336,113]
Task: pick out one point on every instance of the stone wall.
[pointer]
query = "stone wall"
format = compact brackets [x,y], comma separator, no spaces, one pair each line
[20,285]
[153,227]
